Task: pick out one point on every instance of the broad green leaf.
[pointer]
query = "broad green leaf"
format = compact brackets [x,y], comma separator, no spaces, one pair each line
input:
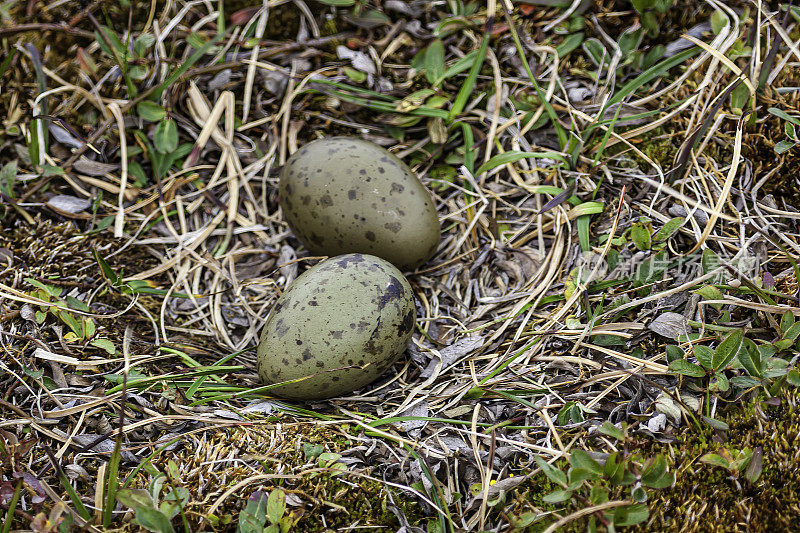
[654,469]
[720,383]
[614,468]
[639,494]
[718,21]
[577,476]
[727,350]
[715,460]
[716,424]
[739,97]
[710,261]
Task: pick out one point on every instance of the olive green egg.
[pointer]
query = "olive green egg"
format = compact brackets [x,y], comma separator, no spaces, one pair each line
[336,328]
[343,195]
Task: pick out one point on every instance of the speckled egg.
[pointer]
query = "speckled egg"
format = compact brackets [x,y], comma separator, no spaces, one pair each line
[337,327]
[341,195]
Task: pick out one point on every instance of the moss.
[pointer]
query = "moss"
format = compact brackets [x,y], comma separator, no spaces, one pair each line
[706,498]
[214,461]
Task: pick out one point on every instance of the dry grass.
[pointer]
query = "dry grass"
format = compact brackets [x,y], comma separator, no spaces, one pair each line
[515,325]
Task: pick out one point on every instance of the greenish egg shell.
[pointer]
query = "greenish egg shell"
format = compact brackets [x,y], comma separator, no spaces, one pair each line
[341,195]
[338,326]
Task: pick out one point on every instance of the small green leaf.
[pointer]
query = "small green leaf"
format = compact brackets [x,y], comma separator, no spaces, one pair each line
[581,459]
[434,61]
[135,498]
[784,146]
[104,344]
[716,424]
[312,451]
[553,473]
[704,355]
[710,261]
[8,176]
[739,97]
[682,366]
[793,332]
[787,320]
[640,235]
[718,21]
[595,51]
[669,229]
[727,349]
[638,494]
[165,138]
[782,114]
[276,505]
[150,111]
[142,43]
[631,515]
[630,40]
[751,361]
[153,520]
[356,76]
[715,460]
[607,428]
[614,468]
[754,466]
[557,496]
[674,352]
[119,48]
[570,43]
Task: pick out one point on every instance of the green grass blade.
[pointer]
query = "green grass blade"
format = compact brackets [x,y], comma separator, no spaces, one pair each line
[469,84]
[194,58]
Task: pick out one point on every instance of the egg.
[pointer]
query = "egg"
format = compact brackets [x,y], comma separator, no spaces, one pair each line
[341,195]
[336,328]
